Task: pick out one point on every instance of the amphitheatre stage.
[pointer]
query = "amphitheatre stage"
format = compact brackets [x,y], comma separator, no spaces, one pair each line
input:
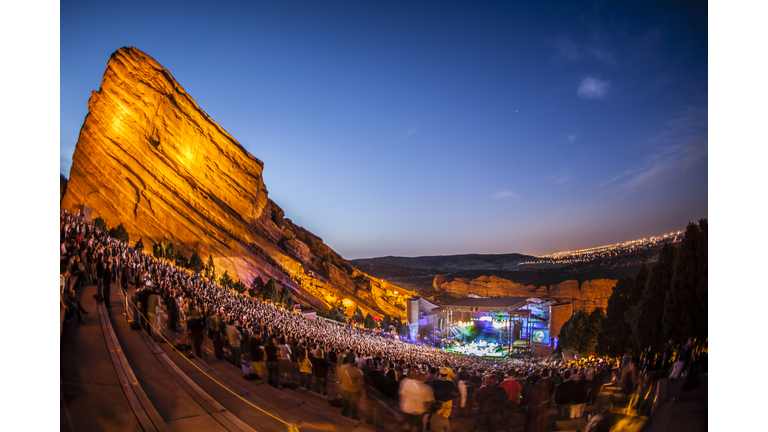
[489,327]
[494,327]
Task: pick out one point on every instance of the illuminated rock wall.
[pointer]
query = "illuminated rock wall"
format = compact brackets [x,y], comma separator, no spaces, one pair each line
[148,156]
[591,294]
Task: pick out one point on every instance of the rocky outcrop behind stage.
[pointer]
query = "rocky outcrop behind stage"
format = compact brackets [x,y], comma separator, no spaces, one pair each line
[148,156]
[591,293]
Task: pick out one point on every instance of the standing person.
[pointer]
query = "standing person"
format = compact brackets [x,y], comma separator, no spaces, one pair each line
[233,337]
[196,325]
[271,352]
[256,351]
[669,350]
[466,393]
[321,366]
[375,389]
[99,279]
[564,396]
[535,416]
[414,397]
[438,420]
[305,369]
[152,302]
[444,390]
[514,390]
[285,359]
[107,286]
[351,387]
[493,401]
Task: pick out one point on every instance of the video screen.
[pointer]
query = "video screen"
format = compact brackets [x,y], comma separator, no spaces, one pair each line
[540,336]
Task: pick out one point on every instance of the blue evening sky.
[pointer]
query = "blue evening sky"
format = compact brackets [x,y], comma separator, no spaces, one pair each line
[435,128]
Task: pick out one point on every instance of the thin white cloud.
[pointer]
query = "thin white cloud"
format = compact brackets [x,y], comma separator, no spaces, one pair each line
[601,54]
[505,194]
[593,88]
[571,138]
[411,132]
[567,48]
[680,145]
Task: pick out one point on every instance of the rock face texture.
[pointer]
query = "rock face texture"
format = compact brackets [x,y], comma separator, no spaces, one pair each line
[591,294]
[148,156]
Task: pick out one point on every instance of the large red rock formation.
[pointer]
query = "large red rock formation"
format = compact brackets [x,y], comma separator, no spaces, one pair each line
[148,156]
[591,293]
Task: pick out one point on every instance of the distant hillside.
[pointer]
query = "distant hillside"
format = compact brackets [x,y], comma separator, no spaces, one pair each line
[418,273]
[452,263]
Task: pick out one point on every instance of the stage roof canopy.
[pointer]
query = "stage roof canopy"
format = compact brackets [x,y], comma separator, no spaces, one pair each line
[493,302]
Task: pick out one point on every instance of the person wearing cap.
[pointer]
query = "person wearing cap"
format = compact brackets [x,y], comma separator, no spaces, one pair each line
[444,390]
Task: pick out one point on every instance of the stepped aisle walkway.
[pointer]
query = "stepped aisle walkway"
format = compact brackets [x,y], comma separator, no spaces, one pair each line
[94,395]
[251,403]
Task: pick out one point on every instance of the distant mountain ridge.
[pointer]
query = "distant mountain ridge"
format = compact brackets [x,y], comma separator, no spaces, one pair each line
[452,263]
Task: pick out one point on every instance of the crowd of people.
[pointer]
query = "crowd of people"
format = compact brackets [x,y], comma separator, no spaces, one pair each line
[421,383]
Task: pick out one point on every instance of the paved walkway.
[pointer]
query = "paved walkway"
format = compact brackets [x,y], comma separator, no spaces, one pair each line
[91,395]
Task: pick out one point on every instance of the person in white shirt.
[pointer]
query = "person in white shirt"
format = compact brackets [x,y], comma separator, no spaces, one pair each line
[415,398]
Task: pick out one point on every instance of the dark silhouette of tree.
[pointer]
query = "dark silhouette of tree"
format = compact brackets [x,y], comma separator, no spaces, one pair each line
[181,260]
[588,343]
[357,316]
[369,321]
[239,286]
[226,280]
[139,246]
[573,331]
[158,250]
[337,313]
[119,233]
[646,324]
[101,224]
[257,287]
[210,269]
[633,299]
[271,293]
[170,252]
[615,331]
[285,297]
[195,263]
[686,303]
[386,321]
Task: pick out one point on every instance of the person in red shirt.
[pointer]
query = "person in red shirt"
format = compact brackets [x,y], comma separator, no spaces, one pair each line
[514,391]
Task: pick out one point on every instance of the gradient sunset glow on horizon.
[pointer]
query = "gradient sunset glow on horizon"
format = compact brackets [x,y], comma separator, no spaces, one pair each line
[431,129]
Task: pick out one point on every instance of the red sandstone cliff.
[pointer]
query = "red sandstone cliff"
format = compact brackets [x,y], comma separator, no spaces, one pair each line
[591,294]
[148,156]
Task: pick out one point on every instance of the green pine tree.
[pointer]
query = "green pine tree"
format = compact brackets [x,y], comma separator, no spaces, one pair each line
[226,280]
[239,286]
[210,269]
[158,250]
[170,252]
[369,321]
[195,263]
[119,233]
